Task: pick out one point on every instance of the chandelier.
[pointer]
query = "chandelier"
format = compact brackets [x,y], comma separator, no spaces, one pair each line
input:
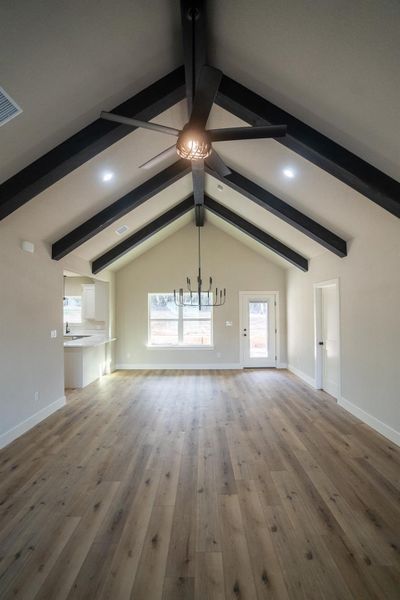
[191,297]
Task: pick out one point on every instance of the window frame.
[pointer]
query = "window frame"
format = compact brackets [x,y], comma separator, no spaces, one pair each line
[180,319]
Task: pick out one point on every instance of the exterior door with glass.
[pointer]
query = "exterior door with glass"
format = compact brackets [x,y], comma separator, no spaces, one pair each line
[257,329]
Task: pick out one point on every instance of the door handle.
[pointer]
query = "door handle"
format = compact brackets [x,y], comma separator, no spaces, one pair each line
[245,334]
[320,343]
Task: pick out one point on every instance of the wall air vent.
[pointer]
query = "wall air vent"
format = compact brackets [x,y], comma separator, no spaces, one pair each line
[8,108]
[122,229]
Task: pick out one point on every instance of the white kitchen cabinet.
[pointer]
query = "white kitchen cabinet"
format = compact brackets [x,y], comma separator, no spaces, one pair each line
[95,301]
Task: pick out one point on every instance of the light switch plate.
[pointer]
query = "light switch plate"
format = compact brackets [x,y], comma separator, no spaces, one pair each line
[53,333]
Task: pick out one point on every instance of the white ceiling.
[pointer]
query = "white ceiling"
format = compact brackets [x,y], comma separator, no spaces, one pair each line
[64,62]
[333,63]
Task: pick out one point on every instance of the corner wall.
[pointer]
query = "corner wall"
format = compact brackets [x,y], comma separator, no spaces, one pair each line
[30,360]
[369,279]
[232,265]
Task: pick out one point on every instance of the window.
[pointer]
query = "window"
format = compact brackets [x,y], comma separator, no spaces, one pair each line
[73,309]
[170,325]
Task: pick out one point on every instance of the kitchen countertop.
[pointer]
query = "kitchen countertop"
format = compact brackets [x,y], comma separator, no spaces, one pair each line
[89,342]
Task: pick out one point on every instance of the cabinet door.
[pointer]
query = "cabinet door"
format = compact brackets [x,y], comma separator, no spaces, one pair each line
[88,301]
[101,301]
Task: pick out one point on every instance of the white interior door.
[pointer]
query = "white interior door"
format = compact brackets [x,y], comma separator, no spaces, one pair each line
[330,339]
[257,329]
[327,337]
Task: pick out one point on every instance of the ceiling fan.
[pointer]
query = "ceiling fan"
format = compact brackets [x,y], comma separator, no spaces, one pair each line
[194,142]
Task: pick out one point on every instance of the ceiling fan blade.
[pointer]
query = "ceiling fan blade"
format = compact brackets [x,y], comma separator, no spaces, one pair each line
[136,123]
[206,90]
[247,133]
[217,164]
[198,181]
[159,158]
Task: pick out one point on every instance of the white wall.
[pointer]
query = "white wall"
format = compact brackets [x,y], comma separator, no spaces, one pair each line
[231,264]
[370,320]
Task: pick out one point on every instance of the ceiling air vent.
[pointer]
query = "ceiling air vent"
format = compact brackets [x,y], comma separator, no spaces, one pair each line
[121,230]
[8,108]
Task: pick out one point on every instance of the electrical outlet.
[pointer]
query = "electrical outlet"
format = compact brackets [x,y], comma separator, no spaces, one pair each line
[53,333]
[36,396]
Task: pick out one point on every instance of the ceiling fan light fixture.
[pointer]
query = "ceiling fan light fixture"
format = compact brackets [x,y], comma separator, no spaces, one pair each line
[193,145]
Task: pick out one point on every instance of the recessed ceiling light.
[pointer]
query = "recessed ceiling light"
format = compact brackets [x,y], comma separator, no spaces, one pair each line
[289,173]
[107,176]
[220,187]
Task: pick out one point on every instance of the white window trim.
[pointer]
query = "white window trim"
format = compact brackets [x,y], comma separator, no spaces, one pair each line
[180,319]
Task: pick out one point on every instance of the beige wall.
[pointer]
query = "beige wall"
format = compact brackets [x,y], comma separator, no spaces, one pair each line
[31,306]
[31,292]
[164,267]
[370,320]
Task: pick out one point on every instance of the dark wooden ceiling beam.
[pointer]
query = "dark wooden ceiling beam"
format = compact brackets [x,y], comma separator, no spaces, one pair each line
[284,211]
[312,145]
[88,142]
[193,19]
[143,234]
[257,234]
[119,208]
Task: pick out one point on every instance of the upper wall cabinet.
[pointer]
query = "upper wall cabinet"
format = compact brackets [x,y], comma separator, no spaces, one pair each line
[95,301]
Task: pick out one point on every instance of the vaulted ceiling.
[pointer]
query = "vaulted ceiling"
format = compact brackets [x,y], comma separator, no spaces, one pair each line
[333,67]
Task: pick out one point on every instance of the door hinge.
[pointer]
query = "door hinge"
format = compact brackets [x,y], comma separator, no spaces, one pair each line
[276,331]
[276,358]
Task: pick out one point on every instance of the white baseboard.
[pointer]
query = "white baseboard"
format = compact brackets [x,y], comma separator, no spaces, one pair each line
[12,434]
[306,378]
[385,430]
[187,366]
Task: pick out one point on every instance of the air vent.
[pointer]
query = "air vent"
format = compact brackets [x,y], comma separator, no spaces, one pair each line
[121,230]
[8,108]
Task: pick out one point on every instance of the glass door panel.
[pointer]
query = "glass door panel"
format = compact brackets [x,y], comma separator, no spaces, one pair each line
[258,329]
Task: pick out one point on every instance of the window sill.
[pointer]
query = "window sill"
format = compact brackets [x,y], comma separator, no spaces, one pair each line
[180,347]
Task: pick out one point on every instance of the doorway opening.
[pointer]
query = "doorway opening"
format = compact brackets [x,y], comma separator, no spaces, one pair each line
[258,329]
[327,337]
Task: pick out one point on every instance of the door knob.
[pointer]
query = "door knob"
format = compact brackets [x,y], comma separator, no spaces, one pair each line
[245,334]
[320,343]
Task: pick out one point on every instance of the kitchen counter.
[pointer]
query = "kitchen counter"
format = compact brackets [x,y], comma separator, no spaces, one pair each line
[89,341]
[86,358]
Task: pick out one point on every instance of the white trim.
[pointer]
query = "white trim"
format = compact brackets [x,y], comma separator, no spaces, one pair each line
[306,378]
[385,430]
[12,434]
[177,366]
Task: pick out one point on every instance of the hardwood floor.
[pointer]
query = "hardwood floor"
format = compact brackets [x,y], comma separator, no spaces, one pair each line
[210,485]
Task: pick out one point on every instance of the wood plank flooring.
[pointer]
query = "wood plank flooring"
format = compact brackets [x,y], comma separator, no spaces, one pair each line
[211,485]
